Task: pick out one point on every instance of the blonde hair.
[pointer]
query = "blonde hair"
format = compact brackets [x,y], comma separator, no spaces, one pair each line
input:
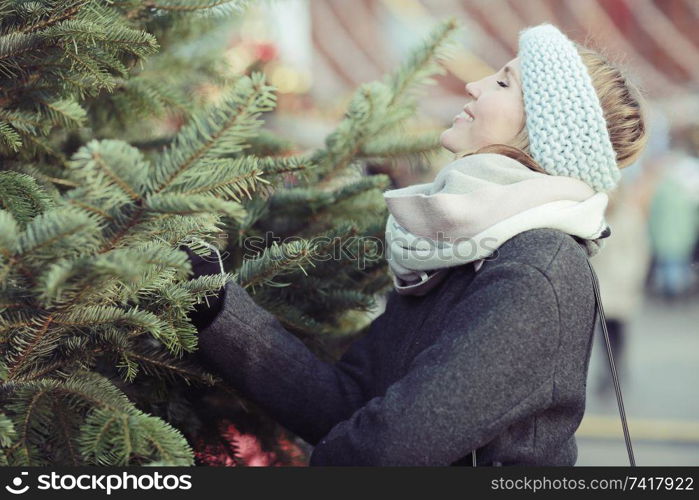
[624,109]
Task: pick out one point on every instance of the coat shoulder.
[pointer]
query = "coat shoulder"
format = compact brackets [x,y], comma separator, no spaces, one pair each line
[563,261]
[549,250]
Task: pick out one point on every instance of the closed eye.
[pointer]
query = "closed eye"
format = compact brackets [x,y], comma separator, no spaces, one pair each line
[502,84]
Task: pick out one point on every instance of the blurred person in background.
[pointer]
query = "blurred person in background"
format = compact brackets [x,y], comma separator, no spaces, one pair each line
[622,266]
[674,222]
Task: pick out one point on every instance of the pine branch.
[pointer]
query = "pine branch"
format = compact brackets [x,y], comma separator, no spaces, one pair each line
[301,200]
[269,144]
[20,195]
[34,144]
[147,97]
[55,234]
[201,287]
[104,163]
[90,208]
[114,432]
[159,364]
[65,112]
[274,261]
[327,296]
[71,8]
[422,62]
[170,229]
[13,46]
[399,145]
[44,175]
[9,137]
[130,267]
[25,122]
[202,7]
[361,186]
[34,343]
[193,204]
[233,177]
[7,431]
[296,319]
[176,340]
[117,38]
[100,78]
[218,132]
[62,440]
[311,206]
[380,106]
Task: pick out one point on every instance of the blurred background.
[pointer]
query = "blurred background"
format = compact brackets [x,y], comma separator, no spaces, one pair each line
[317,52]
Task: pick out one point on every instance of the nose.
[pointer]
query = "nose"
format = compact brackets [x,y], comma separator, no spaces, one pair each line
[471,90]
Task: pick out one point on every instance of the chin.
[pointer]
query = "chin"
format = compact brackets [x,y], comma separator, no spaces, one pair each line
[444,141]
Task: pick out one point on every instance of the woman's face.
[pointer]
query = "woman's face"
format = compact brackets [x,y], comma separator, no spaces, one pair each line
[497,108]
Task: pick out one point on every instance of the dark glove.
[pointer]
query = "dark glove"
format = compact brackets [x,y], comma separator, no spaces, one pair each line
[203,315]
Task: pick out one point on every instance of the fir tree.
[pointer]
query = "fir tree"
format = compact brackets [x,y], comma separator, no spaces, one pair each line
[96,348]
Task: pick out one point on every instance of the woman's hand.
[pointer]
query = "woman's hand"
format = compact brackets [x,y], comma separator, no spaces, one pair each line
[204,314]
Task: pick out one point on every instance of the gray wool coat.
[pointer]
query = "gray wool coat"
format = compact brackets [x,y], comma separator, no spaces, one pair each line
[494,360]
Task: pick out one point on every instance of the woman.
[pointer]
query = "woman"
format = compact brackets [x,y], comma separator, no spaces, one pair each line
[485,342]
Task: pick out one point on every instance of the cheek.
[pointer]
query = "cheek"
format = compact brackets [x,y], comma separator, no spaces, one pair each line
[504,119]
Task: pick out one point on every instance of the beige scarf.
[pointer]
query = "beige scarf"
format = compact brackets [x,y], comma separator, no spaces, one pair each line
[474,205]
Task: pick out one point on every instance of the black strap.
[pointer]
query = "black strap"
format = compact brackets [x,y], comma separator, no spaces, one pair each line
[617,388]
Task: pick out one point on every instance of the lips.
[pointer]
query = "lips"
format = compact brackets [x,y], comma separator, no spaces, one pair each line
[463,117]
[468,112]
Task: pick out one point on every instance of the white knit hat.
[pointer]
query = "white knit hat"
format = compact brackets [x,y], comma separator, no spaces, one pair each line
[567,131]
